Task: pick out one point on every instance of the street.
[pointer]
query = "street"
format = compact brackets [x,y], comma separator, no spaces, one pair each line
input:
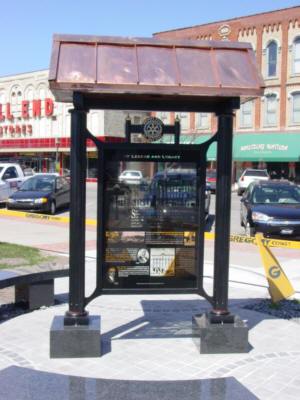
[91,209]
[54,236]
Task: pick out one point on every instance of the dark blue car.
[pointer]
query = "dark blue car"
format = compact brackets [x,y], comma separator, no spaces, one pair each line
[172,197]
[271,207]
[41,192]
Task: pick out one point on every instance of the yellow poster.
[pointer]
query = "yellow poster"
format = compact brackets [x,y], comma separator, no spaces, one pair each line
[279,286]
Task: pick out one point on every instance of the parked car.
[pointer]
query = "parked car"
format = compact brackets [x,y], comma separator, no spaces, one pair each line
[211,179]
[28,171]
[41,192]
[11,178]
[131,177]
[271,207]
[172,197]
[67,174]
[251,175]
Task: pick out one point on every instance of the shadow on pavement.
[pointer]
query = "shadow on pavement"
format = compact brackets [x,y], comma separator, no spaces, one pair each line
[62,210]
[172,319]
[160,319]
[18,383]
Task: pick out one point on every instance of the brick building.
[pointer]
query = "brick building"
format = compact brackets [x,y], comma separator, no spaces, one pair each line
[267,130]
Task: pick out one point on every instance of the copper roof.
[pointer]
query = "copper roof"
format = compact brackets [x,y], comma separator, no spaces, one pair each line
[108,66]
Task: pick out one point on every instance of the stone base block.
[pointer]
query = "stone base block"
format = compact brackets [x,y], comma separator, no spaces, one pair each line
[36,294]
[75,341]
[216,338]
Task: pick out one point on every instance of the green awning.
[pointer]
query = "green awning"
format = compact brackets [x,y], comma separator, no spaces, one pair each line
[251,146]
[266,147]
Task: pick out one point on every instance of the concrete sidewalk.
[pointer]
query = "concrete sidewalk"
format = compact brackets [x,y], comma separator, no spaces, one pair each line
[147,344]
[149,353]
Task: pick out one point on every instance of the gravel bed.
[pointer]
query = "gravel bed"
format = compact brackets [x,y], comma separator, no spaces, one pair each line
[8,311]
[286,309]
[12,310]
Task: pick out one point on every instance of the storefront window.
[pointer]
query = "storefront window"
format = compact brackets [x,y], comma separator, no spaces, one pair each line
[272,58]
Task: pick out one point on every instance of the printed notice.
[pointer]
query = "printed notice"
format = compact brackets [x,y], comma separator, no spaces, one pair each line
[162,262]
[150,218]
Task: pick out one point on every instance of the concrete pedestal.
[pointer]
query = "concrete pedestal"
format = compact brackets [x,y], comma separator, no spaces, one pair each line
[36,294]
[75,341]
[215,338]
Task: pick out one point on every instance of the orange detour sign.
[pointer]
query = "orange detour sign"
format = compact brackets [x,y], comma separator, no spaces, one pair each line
[279,286]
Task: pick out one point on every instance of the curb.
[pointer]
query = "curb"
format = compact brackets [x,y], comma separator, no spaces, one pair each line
[284,244]
[42,217]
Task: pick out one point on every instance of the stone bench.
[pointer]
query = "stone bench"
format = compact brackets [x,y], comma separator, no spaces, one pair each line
[34,285]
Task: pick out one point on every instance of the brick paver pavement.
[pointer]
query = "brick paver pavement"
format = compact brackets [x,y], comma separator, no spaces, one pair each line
[148,338]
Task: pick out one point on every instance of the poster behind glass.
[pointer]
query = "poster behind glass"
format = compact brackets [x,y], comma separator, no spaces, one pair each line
[151,214]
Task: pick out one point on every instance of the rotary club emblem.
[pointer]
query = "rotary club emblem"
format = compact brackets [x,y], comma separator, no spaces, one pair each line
[153,128]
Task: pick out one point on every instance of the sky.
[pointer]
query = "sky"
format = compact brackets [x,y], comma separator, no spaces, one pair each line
[26,27]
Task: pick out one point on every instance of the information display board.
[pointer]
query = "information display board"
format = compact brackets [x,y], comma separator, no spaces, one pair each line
[151,206]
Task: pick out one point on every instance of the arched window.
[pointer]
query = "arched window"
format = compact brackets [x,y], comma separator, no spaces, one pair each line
[29,93]
[14,95]
[272,59]
[29,96]
[295,117]
[296,56]
[271,109]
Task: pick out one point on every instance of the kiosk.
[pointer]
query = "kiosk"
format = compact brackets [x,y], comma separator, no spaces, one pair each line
[151,219]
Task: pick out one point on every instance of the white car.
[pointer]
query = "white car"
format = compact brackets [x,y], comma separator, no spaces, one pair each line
[249,176]
[11,178]
[131,177]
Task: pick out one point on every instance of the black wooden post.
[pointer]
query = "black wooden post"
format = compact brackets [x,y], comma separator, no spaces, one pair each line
[77,314]
[128,129]
[177,130]
[220,311]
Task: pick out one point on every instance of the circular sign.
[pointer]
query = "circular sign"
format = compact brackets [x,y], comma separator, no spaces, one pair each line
[153,128]
[224,31]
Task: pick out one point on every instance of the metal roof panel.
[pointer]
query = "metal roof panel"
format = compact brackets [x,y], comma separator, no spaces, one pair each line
[133,66]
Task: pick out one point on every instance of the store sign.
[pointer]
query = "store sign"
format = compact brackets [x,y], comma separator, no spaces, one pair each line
[268,147]
[262,147]
[26,110]
[151,222]
[15,130]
